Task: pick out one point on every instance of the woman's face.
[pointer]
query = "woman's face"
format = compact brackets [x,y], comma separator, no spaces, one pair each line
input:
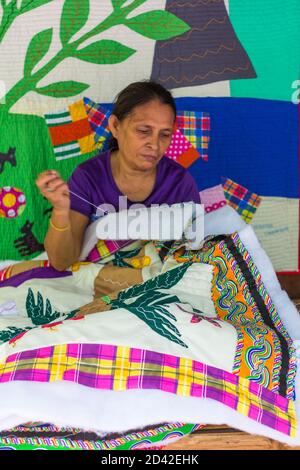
[144,136]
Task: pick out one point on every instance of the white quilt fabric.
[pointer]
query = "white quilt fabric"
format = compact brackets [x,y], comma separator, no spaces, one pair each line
[75,405]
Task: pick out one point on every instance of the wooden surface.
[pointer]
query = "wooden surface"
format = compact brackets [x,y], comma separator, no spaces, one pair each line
[225,438]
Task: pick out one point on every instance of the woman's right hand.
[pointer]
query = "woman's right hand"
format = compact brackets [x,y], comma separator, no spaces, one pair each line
[55,189]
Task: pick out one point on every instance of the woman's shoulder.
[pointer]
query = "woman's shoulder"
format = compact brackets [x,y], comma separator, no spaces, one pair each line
[167,166]
[175,183]
[91,164]
[170,164]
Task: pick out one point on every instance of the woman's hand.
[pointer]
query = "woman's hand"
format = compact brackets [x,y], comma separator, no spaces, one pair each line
[55,189]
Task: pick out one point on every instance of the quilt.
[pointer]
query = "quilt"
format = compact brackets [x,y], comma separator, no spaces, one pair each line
[197,325]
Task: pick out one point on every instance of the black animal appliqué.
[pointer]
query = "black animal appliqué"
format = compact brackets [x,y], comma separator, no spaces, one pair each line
[28,244]
[9,157]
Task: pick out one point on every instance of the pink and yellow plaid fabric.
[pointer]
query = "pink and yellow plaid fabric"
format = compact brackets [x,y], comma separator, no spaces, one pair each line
[241,199]
[122,368]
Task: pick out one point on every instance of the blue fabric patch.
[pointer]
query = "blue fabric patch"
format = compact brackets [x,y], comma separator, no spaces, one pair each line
[254,142]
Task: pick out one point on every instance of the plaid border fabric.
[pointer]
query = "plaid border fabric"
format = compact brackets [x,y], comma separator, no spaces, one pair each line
[241,199]
[5,273]
[122,368]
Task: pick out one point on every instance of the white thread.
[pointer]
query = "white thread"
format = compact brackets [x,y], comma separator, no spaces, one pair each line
[85,200]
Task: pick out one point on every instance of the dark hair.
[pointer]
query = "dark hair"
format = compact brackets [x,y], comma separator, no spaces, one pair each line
[136,94]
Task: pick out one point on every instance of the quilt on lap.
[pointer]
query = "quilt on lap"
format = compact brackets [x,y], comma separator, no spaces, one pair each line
[163,332]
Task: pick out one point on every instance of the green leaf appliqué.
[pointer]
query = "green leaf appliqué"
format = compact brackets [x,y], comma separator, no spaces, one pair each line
[28,5]
[63,89]
[74,16]
[105,52]
[117,3]
[37,49]
[36,311]
[158,25]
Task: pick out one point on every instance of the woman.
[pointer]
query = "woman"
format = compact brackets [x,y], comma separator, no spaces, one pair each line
[141,123]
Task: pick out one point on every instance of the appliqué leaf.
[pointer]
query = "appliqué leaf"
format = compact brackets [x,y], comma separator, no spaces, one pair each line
[117,3]
[158,25]
[28,5]
[63,89]
[162,281]
[37,49]
[36,311]
[151,309]
[74,16]
[105,52]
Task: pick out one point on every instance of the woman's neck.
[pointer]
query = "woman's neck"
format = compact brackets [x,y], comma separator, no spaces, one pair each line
[122,170]
[136,184]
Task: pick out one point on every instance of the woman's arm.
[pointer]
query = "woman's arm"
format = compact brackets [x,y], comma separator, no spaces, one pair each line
[64,238]
[64,247]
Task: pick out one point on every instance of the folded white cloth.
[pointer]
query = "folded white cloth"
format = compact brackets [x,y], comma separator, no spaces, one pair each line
[223,221]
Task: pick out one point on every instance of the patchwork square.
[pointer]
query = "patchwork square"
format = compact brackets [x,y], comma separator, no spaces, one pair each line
[241,199]
[195,126]
[98,120]
[71,132]
[182,150]
[213,198]
[190,140]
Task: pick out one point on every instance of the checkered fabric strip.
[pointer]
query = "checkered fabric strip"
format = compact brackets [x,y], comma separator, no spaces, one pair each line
[122,368]
[98,118]
[241,199]
[195,126]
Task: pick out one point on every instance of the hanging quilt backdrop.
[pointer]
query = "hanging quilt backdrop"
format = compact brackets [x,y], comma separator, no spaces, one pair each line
[232,66]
